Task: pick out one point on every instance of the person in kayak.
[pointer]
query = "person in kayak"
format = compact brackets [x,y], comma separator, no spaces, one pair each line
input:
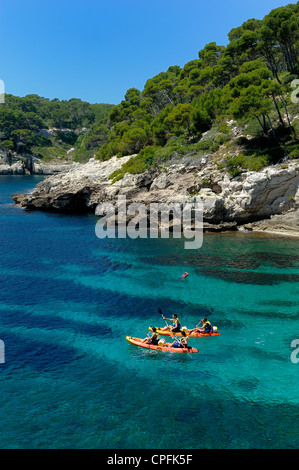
[182,342]
[154,338]
[176,324]
[205,328]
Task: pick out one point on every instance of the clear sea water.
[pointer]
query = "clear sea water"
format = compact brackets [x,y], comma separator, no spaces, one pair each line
[68,300]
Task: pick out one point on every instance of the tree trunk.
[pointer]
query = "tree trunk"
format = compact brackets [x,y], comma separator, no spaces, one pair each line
[273,132]
[288,60]
[278,111]
[288,118]
[272,63]
[262,124]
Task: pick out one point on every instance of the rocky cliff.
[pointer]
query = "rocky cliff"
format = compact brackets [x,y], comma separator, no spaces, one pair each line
[270,196]
[31,165]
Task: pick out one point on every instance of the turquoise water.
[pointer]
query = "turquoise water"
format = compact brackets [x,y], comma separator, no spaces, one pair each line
[68,300]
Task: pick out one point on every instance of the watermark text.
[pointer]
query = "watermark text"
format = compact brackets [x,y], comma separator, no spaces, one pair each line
[2,352]
[295,353]
[2,92]
[137,220]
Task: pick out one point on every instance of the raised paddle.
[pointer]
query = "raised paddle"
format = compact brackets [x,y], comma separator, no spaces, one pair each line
[160,311]
[145,334]
[209,313]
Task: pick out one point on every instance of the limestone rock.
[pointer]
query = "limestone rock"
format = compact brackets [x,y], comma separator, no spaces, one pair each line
[227,201]
[14,169]
[161,182]
[76,190]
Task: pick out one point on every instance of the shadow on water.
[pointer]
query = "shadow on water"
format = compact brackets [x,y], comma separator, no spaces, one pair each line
[248,277]
[42,357]
[52,322]
[268,313]
[251,260]
[279,303]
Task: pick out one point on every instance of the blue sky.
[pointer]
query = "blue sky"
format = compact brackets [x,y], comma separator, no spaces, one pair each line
[96,50]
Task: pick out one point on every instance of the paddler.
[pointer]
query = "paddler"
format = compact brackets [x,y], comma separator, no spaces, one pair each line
[182,342]
[205,328]
[176,324]
[154,338]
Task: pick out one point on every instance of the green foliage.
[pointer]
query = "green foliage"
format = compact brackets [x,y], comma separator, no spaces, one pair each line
[292,150]
[179,119]
[50,152]
[253,128]
[132,141]
[236,164]
[222,138]
[7,145]
[66,137]
[22,118]
[246,94]
[40,141]
[88,143]
[139,164]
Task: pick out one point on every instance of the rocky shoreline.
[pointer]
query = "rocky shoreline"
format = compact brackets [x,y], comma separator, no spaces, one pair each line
[280,224]
[267,200]
[33,166]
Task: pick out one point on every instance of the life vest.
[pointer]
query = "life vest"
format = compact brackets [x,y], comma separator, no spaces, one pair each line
[156,338]
[176,320]
[208,327]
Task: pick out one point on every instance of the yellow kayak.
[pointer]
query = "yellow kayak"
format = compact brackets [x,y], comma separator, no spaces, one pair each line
[169,333]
